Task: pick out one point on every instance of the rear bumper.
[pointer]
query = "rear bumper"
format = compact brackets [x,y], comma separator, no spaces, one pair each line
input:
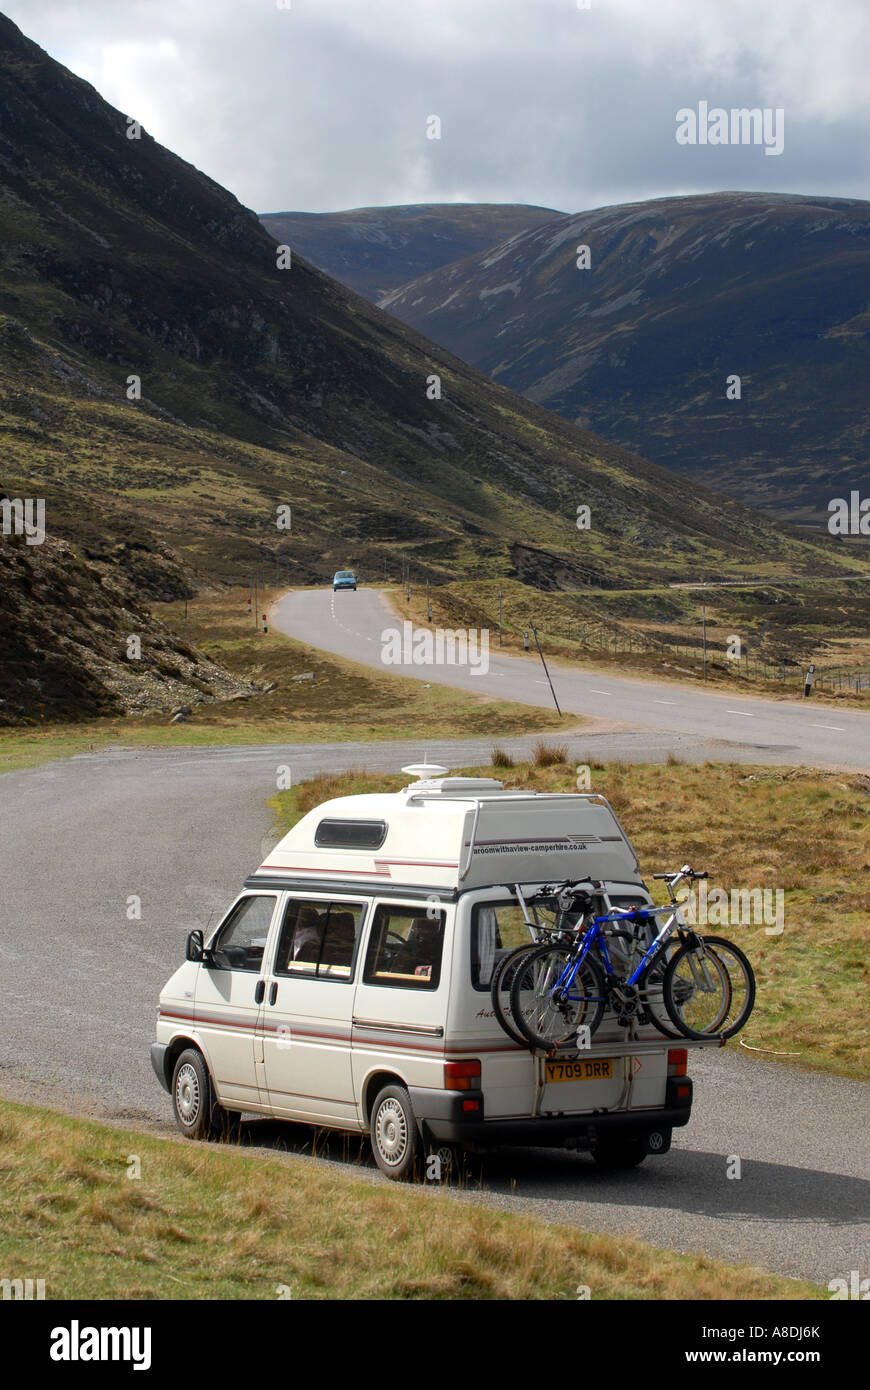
[442,1115]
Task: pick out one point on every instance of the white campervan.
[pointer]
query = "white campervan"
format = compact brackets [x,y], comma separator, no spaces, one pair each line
[348,986]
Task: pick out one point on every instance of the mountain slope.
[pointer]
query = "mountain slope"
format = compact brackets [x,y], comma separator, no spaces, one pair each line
[263,386]
[374,250]
[681,294]
[67,625]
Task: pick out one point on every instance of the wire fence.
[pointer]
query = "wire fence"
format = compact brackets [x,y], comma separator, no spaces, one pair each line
[614,638]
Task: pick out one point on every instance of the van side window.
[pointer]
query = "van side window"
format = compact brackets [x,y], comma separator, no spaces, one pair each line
[318,939]
[405,948]
[240,943]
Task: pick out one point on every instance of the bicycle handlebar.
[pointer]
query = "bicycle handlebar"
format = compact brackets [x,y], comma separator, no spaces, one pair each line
[685,872]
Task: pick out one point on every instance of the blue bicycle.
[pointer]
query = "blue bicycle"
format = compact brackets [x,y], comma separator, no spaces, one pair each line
[705,987]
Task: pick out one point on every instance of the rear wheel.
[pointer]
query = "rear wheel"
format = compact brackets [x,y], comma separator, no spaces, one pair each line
[395,1139]
[547,1011]
[499,990]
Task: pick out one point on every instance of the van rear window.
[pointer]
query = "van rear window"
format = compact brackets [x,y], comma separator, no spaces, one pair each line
[350,834]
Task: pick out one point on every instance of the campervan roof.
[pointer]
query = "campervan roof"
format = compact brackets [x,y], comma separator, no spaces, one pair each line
[455,833]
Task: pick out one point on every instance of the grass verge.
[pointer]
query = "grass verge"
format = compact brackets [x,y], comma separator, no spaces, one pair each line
[204,1222]
[806,834]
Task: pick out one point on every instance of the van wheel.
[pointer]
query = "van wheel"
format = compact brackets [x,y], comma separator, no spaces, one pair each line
[393,1129]
[197,1113]
[619,1153]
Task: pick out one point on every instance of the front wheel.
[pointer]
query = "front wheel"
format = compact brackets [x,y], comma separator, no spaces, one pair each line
[197,1113]
[394,1135]
[741,978]
[697,991]
[548,1005]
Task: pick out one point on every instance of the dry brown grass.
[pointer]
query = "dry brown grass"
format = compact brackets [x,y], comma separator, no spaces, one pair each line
[549,754]
[204,1222]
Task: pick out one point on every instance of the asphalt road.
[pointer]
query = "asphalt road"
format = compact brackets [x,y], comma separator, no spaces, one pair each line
[179,829]
[695,724]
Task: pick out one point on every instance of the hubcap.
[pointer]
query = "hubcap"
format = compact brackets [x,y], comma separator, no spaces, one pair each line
[187,1094]
[391,1132]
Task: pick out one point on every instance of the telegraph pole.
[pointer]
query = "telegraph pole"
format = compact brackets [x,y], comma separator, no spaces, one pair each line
[704,623]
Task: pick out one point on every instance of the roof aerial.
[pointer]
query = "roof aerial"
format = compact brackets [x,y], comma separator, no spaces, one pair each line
[425,772]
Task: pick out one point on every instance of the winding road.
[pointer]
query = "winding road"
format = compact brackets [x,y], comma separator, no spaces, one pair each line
[654,717]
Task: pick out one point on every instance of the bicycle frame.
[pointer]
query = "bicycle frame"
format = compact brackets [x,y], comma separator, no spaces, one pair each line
[594,934]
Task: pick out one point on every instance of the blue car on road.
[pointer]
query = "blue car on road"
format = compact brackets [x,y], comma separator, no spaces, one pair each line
[343,579]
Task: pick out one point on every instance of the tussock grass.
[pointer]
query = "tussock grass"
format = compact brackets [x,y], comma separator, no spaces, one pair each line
[209,1222]
[805,833]
[549,754]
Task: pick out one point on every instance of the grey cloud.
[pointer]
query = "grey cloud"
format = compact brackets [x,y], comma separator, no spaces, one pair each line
[323,106]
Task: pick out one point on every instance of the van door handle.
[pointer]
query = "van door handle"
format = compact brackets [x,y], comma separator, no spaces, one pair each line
[273,991]
[259,991]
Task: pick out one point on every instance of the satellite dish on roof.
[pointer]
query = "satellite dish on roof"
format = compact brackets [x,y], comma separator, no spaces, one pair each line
[425,772]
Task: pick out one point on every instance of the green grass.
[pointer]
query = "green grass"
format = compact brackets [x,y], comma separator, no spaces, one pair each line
[209,1222]
[806,833]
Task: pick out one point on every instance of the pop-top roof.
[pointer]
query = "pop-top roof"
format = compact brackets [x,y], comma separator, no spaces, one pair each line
[456,833]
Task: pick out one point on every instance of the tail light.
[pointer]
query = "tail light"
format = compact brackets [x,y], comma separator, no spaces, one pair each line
[678,1061]
[462,1076]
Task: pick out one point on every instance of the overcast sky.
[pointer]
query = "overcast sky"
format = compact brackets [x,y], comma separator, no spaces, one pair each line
[323,105]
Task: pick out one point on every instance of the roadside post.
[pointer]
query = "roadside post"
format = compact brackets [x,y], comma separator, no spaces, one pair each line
[546,672]
[808,679]
[704,623]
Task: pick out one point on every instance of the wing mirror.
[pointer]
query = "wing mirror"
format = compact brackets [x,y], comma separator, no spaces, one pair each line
[194,949]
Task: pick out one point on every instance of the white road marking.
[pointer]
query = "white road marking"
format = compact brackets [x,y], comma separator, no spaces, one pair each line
[839,727]
[744,712]
[664,702]
[594,692]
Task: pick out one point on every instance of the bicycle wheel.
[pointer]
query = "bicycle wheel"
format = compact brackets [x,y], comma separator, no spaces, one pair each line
[499,990]
[697,991]
[545,1012]
[742,979]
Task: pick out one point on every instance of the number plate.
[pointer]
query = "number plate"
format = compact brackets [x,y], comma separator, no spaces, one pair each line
[600,1069]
